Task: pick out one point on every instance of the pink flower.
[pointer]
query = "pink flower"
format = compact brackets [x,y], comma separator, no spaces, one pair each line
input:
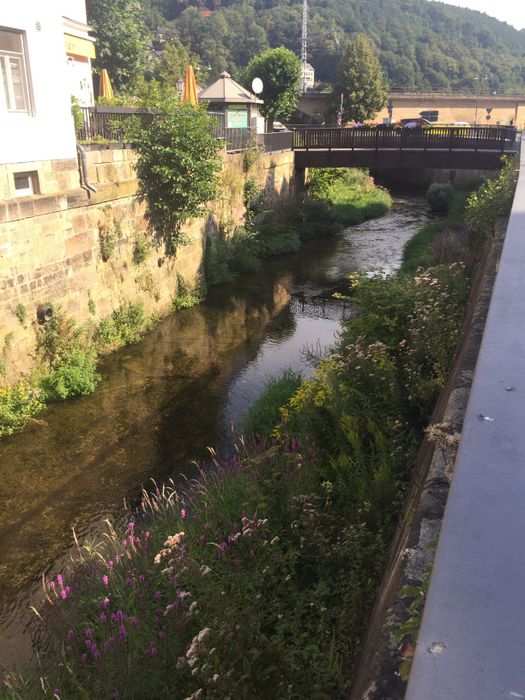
[183,513]
[105,579]
[60,580]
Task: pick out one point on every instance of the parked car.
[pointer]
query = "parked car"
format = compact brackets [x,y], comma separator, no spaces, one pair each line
[412,123]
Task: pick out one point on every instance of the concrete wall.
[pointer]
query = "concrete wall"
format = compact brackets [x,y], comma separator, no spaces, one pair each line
[50,243]
[451,108]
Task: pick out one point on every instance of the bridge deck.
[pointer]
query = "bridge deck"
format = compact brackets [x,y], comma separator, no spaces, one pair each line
[432,147]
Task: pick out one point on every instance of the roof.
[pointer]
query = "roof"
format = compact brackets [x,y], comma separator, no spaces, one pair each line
[225,89]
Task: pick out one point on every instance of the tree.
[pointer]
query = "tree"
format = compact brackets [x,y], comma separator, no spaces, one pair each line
[172,64]
[280,72]
[122,44]
[177,164]
[360,81]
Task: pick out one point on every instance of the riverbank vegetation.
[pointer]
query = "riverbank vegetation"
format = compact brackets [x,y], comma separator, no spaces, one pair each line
[335,197]
[256,578]
[67,356]
[351,193]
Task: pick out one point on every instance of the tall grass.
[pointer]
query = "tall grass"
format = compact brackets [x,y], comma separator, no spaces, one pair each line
[264,415]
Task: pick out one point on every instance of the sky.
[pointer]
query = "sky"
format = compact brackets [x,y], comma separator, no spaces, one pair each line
[510,11]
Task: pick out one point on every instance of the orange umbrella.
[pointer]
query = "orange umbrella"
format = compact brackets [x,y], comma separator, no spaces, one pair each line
[190,88]
[104,85]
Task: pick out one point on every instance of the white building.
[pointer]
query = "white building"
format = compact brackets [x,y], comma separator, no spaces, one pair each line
[45,53]
[307,76]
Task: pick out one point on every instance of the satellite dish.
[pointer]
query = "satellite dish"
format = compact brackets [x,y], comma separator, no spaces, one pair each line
[257,85]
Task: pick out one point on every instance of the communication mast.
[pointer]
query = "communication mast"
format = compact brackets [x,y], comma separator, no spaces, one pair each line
[304,45]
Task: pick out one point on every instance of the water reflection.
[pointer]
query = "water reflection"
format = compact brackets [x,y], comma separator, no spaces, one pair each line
[161,402]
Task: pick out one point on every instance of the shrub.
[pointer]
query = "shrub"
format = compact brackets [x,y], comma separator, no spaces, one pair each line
[141,248]
[177,165]
[439,197]
[185,297]
[127,324]
[76,375]
[18,404]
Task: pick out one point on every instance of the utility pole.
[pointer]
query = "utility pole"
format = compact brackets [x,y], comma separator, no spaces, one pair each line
[304,45]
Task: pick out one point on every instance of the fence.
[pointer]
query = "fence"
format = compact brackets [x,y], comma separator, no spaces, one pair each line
[112,124]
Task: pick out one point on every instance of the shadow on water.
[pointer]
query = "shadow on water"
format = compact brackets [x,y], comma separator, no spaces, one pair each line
[163,401]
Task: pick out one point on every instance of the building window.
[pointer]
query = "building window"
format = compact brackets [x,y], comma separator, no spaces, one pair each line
[431,115]
[14,91]
[26,183]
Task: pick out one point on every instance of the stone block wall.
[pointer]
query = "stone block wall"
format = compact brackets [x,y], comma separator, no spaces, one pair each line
[50,243]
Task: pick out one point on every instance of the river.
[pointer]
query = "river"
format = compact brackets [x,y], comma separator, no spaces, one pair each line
[163,401]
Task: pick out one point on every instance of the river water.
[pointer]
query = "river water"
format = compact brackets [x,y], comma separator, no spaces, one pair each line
[163,401]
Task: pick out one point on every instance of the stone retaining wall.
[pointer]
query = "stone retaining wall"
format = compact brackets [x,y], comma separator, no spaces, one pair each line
[50,243]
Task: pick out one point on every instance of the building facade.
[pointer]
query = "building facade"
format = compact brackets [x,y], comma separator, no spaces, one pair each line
[44,60]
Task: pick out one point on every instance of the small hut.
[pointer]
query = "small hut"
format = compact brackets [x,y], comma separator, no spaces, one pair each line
[239,106]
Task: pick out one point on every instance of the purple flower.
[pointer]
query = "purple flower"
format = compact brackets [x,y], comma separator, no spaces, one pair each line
[120,617]
[69,649]
[102,617]
[105,602]
[88,633]
[142,580]
[129,581]
[122,631]
[131,526]
[70,633]
[134,622]
[96,654]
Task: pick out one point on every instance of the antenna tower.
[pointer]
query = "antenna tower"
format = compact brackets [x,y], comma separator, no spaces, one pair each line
[304,45]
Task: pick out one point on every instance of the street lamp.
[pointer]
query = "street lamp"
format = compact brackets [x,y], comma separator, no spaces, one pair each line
[180,86]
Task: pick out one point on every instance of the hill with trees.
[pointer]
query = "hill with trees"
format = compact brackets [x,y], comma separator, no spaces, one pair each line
[422,45]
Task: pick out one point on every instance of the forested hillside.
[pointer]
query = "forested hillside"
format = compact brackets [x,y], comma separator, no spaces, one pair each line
[421,44]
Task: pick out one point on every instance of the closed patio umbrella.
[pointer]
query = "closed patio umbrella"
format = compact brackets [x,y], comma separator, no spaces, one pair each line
[190,88]
[104,85]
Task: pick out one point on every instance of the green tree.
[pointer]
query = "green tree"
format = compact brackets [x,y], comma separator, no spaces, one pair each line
[122,43]
[360,81]
[177,164]
[172,64]
[280,72]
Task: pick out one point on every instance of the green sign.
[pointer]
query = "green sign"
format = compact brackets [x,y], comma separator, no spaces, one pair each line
[238,117]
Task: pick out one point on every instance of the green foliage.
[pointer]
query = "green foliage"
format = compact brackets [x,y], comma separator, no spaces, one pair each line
[360,80]
[439,197]
[264,415]
[20,313]
[419,251]
[126,325]
[109,232]
[18,404]
[186,297]
[280,72]
[173,62]
[492,200]
[141,247]
[92,307]
[78,117]
[122,43]
[74,375]
[177,167]
[351,193]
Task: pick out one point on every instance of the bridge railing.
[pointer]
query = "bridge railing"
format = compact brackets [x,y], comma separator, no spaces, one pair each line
[426,138]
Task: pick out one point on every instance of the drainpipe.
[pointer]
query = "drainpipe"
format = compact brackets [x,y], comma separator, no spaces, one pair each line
[83,169]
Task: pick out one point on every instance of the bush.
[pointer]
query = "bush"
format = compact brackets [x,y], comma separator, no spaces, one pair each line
[127,324]
[141,248]
[76,375]
[439,197]
[177,165]
[18,404]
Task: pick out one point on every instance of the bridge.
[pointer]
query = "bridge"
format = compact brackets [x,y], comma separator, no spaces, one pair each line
[471,148]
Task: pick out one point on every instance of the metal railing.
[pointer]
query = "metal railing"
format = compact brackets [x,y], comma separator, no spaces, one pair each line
[112,124]
[425,138]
